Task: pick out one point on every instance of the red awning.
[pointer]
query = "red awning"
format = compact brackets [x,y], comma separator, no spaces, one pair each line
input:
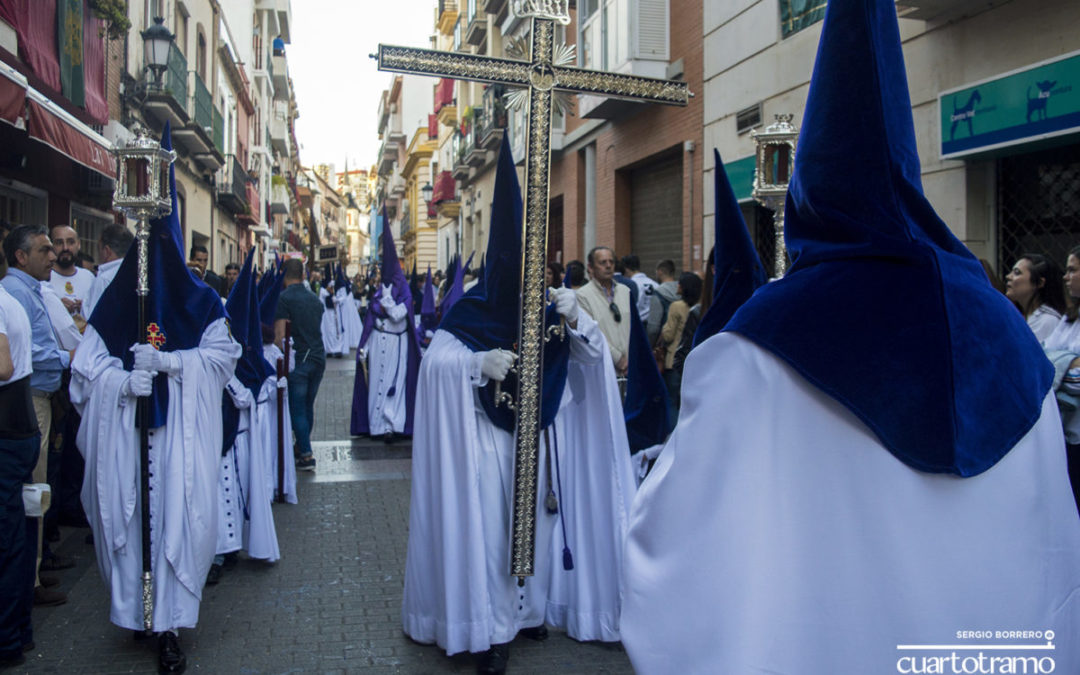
[70,141]
[12,99]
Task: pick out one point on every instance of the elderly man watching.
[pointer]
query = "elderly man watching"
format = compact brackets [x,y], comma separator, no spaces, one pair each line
[608,303]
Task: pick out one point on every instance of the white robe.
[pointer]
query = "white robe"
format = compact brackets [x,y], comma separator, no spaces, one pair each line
[332,336]
[458,590]
[388,355]
[186,450]
[271,353]
[247,489]
[777,535]
[350,319]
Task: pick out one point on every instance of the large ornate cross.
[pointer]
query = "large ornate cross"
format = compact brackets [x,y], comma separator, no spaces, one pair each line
[541,76]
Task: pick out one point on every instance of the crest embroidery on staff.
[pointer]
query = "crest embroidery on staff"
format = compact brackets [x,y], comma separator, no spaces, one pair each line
[154,336]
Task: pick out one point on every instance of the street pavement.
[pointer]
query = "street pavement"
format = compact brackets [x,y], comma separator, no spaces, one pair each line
[332,604]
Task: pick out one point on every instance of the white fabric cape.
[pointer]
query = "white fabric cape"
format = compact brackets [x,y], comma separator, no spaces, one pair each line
[247,485]
[186,451]
[271,353]
[106,273]
[350,319]
[333,338]
[458,590]
[776,535]
[387,355]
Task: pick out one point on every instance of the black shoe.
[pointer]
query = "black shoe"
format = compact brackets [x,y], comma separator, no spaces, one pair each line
[214,575]
[55,563]
[11,661]
[494,660]
[231,559]
[140,635]
[170,657]
[89,539]
[28,647]
[53,535]
[537,633]
[48,581]
[389,437]
[306,463]
[46,598]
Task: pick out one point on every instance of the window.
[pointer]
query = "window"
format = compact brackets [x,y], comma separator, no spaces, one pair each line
[1038,203]
[200,54]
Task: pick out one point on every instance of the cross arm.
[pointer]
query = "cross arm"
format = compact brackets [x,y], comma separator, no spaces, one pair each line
[460,66]
[616,85]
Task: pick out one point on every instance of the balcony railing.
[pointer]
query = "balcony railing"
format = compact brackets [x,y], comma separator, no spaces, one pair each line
[174,81]
[444,189]
[253,215]
[202,104]
[444,93]
[232,186]
[494,117]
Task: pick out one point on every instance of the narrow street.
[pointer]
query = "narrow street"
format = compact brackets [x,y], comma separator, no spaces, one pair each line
[332,604]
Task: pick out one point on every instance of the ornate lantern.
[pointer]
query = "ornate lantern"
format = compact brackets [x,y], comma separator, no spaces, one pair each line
[142,187]
[772,173]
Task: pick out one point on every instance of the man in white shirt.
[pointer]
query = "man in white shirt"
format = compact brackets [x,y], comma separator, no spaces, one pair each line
[70,281]
[19,441]
[115,241]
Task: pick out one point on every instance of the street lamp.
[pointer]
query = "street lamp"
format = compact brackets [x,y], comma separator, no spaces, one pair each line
[426,192]
[143,191]
[157,41]
[772,174]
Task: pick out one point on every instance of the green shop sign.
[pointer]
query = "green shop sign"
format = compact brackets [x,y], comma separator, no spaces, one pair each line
[740,174]
[1031,104]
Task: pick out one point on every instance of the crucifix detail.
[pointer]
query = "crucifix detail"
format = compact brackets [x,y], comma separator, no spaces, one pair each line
[541,76]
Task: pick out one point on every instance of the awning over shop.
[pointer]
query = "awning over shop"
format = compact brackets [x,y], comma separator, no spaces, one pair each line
[70,137]
[12,97]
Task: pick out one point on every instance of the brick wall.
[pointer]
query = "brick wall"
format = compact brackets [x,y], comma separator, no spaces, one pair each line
[634,140]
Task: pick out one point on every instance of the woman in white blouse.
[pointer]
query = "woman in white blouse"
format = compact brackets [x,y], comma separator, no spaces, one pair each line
[1034,286]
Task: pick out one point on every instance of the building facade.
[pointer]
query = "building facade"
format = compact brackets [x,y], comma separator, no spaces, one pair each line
[994,97]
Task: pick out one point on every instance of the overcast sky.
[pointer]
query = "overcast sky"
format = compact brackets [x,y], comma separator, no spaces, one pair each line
[337,85]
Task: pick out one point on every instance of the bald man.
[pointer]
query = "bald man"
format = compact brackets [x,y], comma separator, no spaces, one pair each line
[70,281]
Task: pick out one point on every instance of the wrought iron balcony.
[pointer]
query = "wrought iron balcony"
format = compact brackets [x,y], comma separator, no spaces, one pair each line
[168,102]
[232,183]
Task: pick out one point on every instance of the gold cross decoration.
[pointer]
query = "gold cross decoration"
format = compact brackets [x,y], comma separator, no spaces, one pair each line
[541,76]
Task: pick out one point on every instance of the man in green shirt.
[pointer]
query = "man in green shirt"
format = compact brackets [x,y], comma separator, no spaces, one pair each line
[302,308]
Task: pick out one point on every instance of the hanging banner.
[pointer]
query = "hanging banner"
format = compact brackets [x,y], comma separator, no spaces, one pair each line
[69,38]
[1030,104]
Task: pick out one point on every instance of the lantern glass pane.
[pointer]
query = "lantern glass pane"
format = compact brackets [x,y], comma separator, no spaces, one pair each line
[163,183]
[137,173]
[778,163]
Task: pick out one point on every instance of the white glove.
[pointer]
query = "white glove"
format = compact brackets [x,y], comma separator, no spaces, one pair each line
[387,301]
[138,383]
[282,382]
[361,354]
[148,358]
[496,363]
[566,303]
[429,334]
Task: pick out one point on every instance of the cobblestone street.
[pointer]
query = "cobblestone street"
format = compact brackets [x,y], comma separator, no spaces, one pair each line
[332,604]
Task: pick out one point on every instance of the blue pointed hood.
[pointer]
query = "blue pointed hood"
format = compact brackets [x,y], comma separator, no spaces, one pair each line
[427,306]
[884,309]
[269,300]
[455,288]
[486,317]
[392,274]
[738,269]
[245,320]
[252,369]
[179,306]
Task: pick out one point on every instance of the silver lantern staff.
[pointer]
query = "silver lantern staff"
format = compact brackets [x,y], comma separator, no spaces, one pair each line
[143,192]
[772,173]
